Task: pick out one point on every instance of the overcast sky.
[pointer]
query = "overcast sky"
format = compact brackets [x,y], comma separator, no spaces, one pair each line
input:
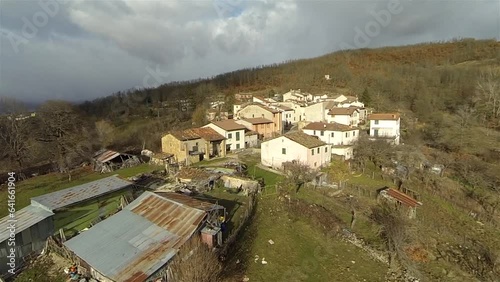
[77,50]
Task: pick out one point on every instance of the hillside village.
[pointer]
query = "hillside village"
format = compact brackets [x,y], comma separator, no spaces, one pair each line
[301,128]
[270,185]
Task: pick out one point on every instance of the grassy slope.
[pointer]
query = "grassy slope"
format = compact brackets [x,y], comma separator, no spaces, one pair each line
[301,251]
[44,184]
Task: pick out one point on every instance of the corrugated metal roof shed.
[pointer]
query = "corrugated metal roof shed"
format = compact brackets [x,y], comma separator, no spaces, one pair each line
[403,198]
[189,201]
[25,217]
[134,243]
[107,156]
[70,196]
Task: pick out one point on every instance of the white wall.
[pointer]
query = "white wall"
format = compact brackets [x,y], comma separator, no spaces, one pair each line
[344,119]
[346,152]
[231,136]
[272,153]
[338,138]
[385,128]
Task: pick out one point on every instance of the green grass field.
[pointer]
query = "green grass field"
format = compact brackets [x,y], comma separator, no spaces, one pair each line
[44,184]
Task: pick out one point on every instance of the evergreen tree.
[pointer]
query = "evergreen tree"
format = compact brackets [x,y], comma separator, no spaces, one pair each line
[366,98]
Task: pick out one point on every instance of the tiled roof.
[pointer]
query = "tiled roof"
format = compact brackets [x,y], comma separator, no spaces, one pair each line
[206,133]
[403,198]
[305,140]
[228,125]
[342,111]
[384,116]
[257,120]
[274,111]
[328,126]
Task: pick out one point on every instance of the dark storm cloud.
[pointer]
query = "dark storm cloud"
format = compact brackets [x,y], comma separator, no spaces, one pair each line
[90,49]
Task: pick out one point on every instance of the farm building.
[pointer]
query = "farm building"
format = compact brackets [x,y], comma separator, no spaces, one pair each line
[107,161]
[137,243]
[78,207]
[32,226]
[401,200]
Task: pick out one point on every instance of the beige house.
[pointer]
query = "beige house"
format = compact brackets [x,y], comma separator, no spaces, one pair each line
[263,127]
[261,111]
[295,146]
[232,131]
[347,116]
[194,145]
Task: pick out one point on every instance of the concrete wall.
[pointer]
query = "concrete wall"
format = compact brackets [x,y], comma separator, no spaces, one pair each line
[234,183]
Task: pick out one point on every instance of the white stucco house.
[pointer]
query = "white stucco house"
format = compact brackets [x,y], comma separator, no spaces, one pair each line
[347,116]
[295,146]
[232,131]
[385,126]
[341,137]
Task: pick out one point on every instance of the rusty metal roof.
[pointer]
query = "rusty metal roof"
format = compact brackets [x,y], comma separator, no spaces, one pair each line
[136,242]
[403,198]
[189,201]
[26,217]
[106,155]
[76,194]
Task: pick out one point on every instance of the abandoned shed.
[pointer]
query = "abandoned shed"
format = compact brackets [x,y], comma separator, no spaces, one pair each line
[108,160]
[31,228]
[137,243]
[78,207]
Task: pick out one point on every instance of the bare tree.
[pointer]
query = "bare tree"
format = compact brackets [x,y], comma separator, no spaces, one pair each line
[66,133]
[395,230]
[488,91]
[15,130]
[195,261]
[297,174]
[338,172]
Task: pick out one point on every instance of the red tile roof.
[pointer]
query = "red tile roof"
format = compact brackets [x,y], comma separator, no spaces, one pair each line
[342,111]
[328,126]
[257,120]
[403,198]
[384,116]
[206,133]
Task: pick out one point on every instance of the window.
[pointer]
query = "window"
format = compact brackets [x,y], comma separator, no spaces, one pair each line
[312,152]
[315,164]
[376,121]
[322,133]
[283,151]
[353,133]
[229,135]
[326,149]
[314,132]
[332,134]
[237,146]
[253,115]
[237,136]
[347,134]
[318,150]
